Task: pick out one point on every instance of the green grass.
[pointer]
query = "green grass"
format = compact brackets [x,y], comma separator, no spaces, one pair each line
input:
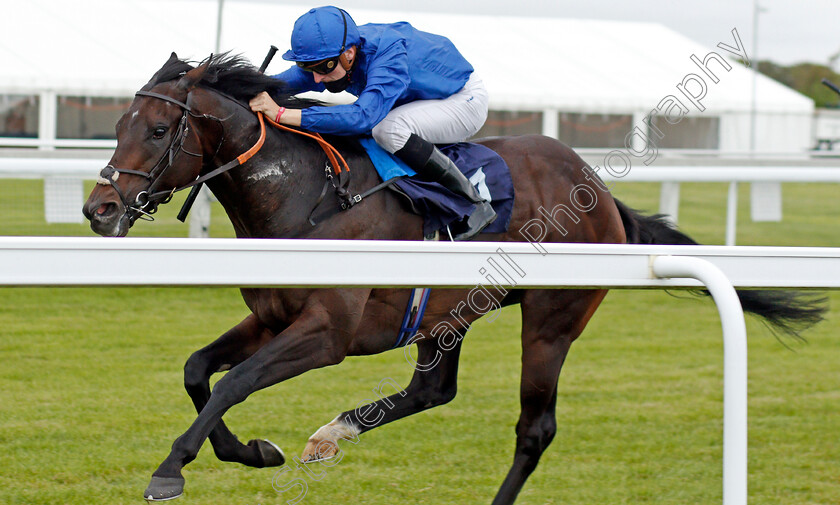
[91,393]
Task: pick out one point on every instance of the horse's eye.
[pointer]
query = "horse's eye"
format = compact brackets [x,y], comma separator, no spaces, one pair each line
[159,132]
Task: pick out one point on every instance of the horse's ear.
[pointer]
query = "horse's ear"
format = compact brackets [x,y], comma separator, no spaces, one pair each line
[193,77]
[173,58]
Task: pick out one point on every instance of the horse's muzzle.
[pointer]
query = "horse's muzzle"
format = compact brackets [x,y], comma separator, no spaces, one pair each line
[108,218]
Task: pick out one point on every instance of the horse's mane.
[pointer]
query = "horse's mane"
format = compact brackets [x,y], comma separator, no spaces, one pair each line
[237,78]
[234,76]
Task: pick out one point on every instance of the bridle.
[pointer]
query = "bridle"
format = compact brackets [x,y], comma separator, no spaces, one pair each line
[147,201]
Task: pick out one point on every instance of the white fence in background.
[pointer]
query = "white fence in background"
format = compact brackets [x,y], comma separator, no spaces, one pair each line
[63,178]
[67,173]
[765,180]
[44,261]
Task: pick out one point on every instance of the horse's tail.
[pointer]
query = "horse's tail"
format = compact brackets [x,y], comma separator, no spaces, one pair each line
[790,312]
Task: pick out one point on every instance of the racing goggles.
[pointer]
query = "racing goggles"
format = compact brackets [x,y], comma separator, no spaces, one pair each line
[322,67]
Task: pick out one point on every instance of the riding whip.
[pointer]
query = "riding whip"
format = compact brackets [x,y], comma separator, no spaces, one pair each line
[831,85]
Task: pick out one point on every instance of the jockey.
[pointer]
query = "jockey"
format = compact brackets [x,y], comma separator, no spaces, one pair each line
[413,89]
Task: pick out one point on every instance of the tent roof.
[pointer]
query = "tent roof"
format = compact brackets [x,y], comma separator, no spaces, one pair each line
[112,47]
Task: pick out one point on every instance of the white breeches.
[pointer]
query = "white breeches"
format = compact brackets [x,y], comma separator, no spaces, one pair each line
[445,121]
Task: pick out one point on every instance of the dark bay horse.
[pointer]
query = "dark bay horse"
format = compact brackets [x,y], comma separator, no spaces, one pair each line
[189,120]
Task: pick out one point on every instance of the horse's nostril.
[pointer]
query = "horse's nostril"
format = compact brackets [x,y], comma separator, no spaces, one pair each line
[102,212]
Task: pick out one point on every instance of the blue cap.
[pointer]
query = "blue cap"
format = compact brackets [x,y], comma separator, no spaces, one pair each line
[322,33]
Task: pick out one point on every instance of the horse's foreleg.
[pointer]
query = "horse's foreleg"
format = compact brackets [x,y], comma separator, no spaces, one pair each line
[551,321]
[434,383]
[232,348]
[317,338]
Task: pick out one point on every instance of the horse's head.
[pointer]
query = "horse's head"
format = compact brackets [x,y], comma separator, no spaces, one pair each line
[153,137]
[173,130]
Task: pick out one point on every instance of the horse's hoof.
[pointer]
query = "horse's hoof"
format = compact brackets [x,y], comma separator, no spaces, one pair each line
[325,450]
[323,444]
[271,454]
[164,488]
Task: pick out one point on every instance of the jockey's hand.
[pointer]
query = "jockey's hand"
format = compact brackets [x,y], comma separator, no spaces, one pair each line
[263,103]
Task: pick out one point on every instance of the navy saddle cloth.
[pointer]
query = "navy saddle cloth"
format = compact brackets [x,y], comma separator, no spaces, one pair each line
[439,207]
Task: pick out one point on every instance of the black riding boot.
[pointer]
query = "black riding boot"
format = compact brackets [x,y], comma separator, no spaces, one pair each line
[432,165]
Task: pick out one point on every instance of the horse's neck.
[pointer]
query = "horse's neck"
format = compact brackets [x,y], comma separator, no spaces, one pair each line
[273,193]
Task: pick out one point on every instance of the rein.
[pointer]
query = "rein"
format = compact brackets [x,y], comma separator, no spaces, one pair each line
[239,160]
[338,162]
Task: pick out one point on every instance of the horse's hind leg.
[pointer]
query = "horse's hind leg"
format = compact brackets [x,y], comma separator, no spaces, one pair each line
[434,383]
[551,321]
[235,346]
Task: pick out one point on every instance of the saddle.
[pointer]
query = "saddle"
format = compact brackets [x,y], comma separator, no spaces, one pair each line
[441,209]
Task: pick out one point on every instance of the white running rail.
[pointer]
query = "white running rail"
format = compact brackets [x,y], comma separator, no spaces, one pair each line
[45,261]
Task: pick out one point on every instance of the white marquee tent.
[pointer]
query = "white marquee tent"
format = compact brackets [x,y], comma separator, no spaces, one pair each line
[112,47]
